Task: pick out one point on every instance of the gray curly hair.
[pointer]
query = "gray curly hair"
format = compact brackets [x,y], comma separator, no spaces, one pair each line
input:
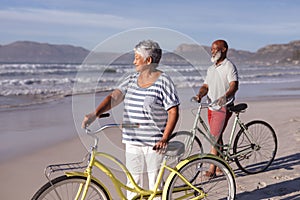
[149,48]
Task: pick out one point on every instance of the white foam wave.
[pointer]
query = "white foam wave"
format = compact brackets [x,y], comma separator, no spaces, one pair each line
[24,79]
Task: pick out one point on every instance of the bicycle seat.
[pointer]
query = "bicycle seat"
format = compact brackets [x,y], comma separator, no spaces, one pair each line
[174,148]
[238,108]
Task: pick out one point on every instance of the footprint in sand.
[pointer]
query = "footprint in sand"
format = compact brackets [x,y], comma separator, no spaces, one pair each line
[294,120]
[261,185]
[242,188]
[282,177]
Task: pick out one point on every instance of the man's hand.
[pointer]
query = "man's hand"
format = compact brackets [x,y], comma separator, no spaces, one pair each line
[222,101]
[197,98]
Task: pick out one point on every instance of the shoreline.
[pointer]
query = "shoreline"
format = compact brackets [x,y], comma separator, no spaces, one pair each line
[68,126]
[55,121]
[247,91]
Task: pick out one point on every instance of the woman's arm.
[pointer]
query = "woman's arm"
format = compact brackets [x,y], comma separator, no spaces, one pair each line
[173,115]
[110,101]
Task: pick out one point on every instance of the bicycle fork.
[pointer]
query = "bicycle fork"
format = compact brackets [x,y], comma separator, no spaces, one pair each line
[83,188]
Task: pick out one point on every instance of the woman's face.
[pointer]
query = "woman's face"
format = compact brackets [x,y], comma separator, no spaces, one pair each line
[139,62]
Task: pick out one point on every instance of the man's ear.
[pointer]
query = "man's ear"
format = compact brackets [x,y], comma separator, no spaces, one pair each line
[224,49]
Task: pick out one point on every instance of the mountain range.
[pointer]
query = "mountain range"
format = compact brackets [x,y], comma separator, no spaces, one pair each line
[34,52]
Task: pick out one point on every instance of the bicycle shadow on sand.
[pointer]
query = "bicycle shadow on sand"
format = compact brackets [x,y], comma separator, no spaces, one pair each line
[282,188]
[286,162]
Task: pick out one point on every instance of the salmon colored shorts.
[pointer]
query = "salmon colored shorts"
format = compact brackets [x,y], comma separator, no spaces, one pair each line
[218,121]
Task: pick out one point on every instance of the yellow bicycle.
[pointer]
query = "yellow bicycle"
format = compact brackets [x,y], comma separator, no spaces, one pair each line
[187,180]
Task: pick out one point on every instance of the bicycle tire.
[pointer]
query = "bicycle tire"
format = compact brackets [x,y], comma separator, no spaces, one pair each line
[197,147]
[181,136]
[263,150]
[216,187]
[67,187]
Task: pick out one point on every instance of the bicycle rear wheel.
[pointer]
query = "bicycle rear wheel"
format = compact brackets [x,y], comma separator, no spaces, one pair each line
[257,146]
[221,186]
[66,188]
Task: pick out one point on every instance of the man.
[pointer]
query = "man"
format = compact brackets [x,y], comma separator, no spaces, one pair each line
[220,85]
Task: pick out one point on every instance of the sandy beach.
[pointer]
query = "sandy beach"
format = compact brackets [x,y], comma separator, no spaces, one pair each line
[22,173]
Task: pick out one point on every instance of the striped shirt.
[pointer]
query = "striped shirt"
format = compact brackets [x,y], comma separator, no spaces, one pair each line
[148,107]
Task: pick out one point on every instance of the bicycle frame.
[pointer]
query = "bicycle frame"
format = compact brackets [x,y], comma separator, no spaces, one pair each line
[142,193]
[226,152]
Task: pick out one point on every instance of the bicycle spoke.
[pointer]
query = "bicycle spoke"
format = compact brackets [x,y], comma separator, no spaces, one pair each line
[67,188]
[216,187]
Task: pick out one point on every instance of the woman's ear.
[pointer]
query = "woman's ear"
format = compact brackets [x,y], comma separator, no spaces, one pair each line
[149,60]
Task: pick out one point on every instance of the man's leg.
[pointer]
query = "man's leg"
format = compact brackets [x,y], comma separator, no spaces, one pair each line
[217,120]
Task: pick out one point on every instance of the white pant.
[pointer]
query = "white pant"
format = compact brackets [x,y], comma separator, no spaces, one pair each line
[136,158]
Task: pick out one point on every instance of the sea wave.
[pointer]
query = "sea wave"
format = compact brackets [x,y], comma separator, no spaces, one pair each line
[47,81]
[270,74]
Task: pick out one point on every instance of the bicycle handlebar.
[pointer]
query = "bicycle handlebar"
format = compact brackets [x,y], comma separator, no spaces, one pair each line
[215,105]
[122,125]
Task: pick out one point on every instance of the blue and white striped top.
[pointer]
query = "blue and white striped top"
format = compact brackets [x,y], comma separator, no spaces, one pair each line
[148,107]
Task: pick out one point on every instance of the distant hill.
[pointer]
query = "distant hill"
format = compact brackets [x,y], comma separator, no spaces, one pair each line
[33,52]
[276,54]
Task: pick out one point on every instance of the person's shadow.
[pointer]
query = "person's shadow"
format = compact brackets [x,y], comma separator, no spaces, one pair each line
[278,189]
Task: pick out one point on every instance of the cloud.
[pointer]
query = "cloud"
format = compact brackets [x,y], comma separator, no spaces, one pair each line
[84,21]
[80,28]
[67,18]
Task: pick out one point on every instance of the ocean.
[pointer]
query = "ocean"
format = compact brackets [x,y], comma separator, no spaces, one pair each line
[29,84]
[35,99]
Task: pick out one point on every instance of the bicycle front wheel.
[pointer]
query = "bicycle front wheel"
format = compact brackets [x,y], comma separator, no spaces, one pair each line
[256,147]
[218,186]
[66,188]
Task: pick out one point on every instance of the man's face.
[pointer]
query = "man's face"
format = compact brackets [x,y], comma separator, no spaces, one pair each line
[214,49]
[216,53]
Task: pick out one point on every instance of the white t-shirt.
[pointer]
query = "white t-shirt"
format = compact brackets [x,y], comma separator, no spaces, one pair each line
[219,77]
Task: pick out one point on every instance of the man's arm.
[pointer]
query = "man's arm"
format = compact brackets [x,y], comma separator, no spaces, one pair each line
[233,88]
[202,92]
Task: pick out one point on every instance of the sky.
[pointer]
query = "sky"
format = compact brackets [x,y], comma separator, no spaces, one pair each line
[245,25]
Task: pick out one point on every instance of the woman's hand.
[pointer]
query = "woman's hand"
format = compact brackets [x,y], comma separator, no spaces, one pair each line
[160,146]
[88,119]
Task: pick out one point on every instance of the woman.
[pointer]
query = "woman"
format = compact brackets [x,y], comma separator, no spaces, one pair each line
[150,99]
